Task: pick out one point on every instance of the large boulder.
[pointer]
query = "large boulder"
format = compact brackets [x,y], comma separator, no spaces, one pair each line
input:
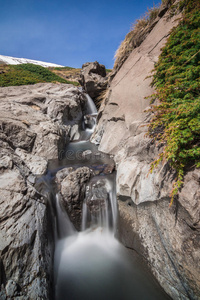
[93,79]
[168,238]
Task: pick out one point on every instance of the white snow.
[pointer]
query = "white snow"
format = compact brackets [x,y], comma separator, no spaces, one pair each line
[17,61]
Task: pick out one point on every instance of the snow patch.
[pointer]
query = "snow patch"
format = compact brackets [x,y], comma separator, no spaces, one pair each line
[17,61]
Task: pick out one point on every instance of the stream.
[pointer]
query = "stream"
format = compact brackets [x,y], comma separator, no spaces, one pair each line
[92,264]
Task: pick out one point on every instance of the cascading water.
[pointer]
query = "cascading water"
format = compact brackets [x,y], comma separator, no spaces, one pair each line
[92,264]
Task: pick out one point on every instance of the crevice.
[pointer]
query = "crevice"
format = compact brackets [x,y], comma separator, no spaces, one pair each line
[113,103]
[165,36]
[116,119]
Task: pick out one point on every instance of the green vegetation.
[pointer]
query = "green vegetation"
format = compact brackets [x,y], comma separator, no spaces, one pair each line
[28,74]
[176,121]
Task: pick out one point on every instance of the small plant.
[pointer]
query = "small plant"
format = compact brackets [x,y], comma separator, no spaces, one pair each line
[176,121]
[152,13]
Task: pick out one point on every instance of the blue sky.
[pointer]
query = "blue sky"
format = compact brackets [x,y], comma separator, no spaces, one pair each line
[69,33]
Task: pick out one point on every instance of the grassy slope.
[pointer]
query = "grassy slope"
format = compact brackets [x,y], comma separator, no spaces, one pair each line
[24,74]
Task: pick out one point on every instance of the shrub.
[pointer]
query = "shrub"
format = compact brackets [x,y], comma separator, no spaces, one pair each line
[176,122]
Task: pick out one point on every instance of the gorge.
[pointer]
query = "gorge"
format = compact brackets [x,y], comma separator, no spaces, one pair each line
[75,186]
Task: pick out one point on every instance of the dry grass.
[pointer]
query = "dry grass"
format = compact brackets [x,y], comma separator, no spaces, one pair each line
[134,37]
[102,97]
[67,73]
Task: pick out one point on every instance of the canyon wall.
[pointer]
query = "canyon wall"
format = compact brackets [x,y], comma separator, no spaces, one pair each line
[167,237]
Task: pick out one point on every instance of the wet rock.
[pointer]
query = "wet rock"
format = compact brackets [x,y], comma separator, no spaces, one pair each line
[72,189]
[104,169]
[87,154]
[109,168]
[93,79]
[89,121]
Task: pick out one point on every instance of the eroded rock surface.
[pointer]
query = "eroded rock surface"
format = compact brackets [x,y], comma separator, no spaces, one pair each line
[36,122]
[168,238]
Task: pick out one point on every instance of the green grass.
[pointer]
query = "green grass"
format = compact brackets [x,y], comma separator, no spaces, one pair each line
[25,74]
[176,122]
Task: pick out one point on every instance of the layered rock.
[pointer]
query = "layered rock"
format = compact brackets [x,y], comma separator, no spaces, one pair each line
[35,124]
[168,238]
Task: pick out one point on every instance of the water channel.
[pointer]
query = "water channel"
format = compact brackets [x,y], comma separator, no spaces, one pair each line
[92,264]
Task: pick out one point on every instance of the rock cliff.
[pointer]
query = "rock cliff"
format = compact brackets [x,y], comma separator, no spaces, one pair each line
[168,238]
[35,124]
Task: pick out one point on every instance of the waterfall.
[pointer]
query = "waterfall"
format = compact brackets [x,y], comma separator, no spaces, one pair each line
[89,119]
[92,264]
[100,206]
[91,107]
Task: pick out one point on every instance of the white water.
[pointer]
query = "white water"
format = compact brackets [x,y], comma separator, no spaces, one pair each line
[92,264]
[91,108]
[100,195]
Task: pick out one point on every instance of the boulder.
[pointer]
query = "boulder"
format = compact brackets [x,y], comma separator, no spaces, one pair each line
[72,185]
[93,79]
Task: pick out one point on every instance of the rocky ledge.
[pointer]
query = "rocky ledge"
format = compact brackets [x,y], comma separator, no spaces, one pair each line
[35,124]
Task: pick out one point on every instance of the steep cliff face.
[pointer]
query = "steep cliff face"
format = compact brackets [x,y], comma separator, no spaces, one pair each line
[168,238]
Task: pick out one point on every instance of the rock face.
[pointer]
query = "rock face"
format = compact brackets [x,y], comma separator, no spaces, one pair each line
[93,79]
[168,238]
[72,188]
[35,123]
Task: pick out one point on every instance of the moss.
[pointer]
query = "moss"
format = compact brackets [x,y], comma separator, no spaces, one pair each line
[177,82]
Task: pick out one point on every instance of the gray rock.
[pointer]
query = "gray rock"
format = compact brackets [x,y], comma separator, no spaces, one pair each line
[72,189]
[93,79]
[11,288]
[36,164]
